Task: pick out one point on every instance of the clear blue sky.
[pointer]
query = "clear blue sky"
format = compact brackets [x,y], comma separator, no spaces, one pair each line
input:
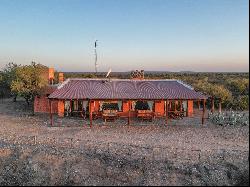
[165,35]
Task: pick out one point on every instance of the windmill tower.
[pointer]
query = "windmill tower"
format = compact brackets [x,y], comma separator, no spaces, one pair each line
[96,65]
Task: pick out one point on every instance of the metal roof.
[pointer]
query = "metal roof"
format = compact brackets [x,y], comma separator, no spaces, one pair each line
[125,89]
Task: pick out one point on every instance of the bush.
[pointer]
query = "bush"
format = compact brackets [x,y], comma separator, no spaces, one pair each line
[110,106]
[229,118]
[141,105]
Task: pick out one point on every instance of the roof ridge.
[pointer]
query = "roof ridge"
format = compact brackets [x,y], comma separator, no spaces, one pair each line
[63,83]
[186,85]
[123,79]
[79,88]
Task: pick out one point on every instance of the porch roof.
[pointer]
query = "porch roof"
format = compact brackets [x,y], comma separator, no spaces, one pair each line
[125,89]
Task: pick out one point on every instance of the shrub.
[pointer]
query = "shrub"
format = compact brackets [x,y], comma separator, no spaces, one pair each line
[229,118]
[141,105]
[110,106]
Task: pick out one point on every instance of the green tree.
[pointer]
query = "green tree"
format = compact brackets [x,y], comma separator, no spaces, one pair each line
[8,75]
[141,105]
[29,81]
[238,86]
[1,85]
[241,103]
[218,91]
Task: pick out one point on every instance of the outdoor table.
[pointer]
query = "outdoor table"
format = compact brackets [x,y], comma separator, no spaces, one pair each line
[109,116]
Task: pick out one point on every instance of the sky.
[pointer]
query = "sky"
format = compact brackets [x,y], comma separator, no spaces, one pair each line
[154,35]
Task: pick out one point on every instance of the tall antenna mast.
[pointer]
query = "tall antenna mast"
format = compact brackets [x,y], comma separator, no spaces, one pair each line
[96,65]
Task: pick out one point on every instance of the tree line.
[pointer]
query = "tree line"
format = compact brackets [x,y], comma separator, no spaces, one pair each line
[28,81]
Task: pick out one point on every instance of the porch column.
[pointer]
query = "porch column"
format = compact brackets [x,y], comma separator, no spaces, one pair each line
[212,105]
[187,109]
[50,110]
[129,108]
[219,105]
[175,105]
[167,112]
[82,112]
[204,110]
[199,105]
[181,105]
[82,109]
[70,107]
[90,113]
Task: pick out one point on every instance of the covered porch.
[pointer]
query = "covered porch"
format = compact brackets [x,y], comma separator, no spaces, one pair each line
[91,111]
[109,100]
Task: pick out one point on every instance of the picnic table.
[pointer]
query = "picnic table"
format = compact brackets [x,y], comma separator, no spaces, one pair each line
[109,115]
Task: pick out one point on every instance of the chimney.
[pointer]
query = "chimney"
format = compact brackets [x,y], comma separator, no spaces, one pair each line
[137,74]
[51,75]
[60,77]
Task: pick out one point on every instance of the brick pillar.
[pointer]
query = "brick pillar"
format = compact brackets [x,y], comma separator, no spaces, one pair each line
[61,108]
[159,107]
[51,76]
[125,106]
[220,105]
[212,107]
[190,108]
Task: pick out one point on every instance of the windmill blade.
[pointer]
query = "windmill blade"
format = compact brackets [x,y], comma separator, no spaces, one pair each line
[108,72]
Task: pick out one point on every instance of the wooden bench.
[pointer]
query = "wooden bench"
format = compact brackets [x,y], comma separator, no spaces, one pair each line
[145,114]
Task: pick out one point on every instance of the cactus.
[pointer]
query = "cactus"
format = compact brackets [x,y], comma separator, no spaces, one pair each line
[229,118]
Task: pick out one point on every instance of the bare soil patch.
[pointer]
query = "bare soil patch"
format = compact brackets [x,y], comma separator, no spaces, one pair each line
[182,153]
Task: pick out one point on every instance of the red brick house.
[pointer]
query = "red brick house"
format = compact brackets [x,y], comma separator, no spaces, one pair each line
[164,97]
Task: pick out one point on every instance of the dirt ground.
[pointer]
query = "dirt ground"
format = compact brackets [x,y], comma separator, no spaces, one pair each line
[185,134]
[144,153]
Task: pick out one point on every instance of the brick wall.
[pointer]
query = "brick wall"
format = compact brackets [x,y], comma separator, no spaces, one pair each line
[159,107]
[41,104]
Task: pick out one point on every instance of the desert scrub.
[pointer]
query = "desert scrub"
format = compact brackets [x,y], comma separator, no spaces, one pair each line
[229,118]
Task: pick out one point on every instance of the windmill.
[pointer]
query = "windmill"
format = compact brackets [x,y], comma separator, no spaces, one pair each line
[107,76]
[96,65]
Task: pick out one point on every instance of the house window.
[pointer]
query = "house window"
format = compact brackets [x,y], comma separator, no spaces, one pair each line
[110,105]
[133,103]
[150,104]
[100,106]
[75,105]
[85,104]
[184,105]
[119,105]
[67,105]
